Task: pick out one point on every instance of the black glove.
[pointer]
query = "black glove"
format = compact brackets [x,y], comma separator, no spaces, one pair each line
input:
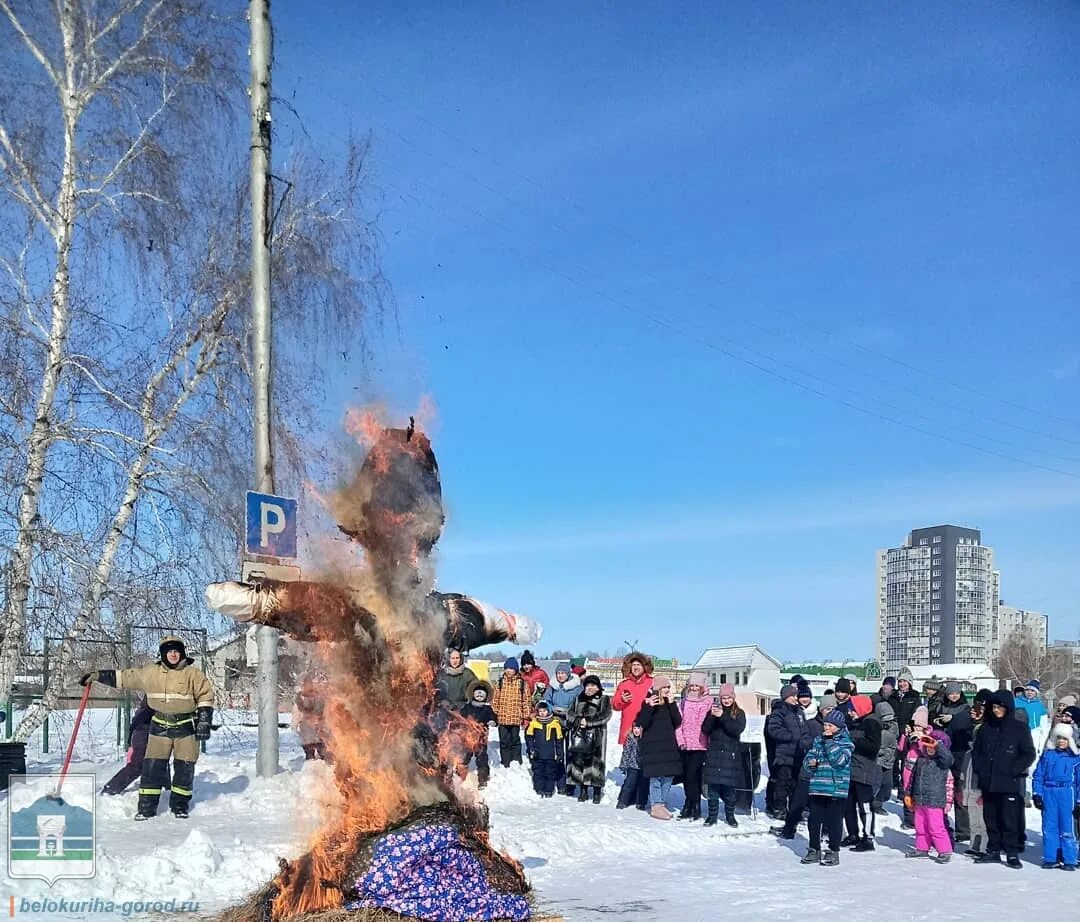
[1037,801]
[203,718]
[88,678]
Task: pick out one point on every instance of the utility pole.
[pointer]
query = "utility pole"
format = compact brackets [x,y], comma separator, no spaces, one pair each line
[262,44]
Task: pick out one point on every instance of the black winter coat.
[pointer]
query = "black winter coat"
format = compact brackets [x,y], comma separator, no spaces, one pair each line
[904,707]
[1002,755]
[786,725]
[659,753]
[959,728]
[866,736]
[722,765]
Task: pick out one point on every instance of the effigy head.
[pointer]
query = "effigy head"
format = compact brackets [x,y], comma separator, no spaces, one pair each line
[393,506]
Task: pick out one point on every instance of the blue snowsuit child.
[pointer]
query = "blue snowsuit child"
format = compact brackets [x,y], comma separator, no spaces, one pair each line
[1056,792]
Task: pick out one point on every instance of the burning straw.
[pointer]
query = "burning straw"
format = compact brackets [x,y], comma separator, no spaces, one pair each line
[395,755]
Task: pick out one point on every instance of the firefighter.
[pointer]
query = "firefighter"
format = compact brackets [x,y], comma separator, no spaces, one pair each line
[183,705]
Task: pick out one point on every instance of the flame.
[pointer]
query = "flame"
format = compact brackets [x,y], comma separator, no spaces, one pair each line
[388,758]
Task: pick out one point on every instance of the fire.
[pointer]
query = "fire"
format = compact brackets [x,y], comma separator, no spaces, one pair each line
[388,758]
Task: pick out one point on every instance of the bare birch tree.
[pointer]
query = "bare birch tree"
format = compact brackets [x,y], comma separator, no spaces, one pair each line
[126,439]
[1023,658]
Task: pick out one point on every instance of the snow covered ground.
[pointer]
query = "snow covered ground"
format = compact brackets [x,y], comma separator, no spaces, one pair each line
[585,861]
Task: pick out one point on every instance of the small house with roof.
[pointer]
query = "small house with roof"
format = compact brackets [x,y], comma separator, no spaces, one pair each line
[754,674]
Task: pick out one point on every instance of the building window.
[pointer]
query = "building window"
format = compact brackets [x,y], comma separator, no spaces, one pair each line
[937,539]
[922,542]
[937,550]
[935,585]
[723,678]
[936,606]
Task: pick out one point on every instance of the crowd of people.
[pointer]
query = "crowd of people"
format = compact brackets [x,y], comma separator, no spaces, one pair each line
[962,772]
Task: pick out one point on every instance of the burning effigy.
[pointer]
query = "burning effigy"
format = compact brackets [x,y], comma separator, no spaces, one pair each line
[407,840]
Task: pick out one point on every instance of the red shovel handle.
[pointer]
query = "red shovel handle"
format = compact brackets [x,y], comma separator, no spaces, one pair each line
[74,734]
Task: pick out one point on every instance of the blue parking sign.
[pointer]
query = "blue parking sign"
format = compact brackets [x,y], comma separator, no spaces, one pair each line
[271,525]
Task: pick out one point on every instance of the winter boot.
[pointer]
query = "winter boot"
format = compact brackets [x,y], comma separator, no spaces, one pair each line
[831,858]
[1050,865]
[918,853]
[848,841]
[812,856]
[569,790]
[729,817]
[865,844]
[1013,861]
[180,813]
[583,794]
[659,812]
[989,858]
[714,814]
[943,859]
[781,832]
[1068,867]
[685,813]
[140,816]
[597,793]
[878,808]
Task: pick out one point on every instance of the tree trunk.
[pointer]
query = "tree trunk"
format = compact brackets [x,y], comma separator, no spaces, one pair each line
[41,432]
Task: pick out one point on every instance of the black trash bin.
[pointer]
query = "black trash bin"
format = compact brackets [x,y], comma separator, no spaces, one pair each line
[12,762]
[750,766]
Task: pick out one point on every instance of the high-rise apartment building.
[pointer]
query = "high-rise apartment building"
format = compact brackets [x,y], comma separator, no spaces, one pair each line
[937,599]
[1010,620]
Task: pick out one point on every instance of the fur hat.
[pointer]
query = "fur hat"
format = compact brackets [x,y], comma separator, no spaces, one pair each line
[843,686]
[1064,731]
[592,680]
[479,685]
[630,658]
[527,659]
[511,663]
[727,689]
[836,718]
[788,691]
[921,717]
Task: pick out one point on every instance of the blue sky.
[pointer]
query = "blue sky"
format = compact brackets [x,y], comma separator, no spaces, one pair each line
[714,305]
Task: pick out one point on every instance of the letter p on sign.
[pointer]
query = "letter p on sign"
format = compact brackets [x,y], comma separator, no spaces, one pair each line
[271,525]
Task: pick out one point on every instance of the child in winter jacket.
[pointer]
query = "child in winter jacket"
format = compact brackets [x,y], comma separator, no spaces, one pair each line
[635,789]
[512,706]
[827,768]
[544,743]
[1056,787]
[928,787]
[481,712]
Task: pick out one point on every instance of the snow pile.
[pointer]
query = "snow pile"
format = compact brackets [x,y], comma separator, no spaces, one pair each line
[584,860]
